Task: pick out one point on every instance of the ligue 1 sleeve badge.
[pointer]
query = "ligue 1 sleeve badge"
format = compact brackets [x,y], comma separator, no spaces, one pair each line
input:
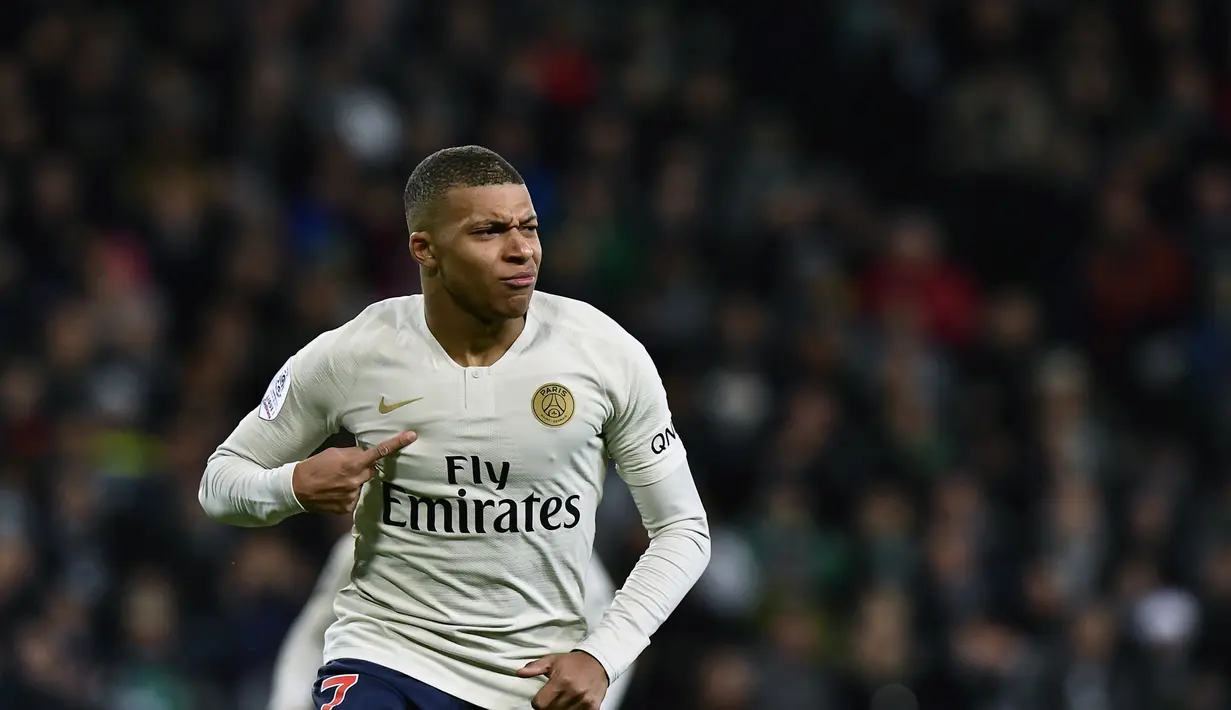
[552,404]
[275,394]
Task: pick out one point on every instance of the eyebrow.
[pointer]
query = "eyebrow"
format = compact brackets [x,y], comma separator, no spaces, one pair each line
[507,224]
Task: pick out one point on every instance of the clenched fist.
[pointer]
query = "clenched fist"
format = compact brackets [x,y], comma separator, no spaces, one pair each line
[330,481]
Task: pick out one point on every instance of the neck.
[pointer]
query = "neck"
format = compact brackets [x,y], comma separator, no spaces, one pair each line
[470,340]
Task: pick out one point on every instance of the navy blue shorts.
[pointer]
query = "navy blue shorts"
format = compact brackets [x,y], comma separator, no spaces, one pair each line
[347,684]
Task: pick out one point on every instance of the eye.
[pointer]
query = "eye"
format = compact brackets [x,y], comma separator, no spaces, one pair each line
[530,228]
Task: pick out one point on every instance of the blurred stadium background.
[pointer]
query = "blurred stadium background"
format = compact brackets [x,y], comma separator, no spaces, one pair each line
[941,290]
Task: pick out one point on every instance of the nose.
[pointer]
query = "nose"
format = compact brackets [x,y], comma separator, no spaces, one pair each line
[517,248]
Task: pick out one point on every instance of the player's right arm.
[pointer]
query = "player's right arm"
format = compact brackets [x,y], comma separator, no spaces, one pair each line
[259,476]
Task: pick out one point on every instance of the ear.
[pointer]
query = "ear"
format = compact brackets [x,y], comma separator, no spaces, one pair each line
[421,249]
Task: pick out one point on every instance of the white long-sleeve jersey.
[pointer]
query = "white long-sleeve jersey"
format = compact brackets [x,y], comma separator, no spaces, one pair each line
[472,544]
[300,656]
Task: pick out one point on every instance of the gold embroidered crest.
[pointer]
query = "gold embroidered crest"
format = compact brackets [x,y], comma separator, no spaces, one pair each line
[552,404]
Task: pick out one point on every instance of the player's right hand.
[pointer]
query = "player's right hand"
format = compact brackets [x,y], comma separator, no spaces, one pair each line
[330,481]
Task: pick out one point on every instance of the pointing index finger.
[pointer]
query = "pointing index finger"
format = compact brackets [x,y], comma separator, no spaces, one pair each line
[387,447]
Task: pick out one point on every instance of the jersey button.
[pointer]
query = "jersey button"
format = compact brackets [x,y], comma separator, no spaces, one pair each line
[475,374]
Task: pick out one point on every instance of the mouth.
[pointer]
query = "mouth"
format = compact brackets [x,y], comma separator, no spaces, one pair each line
[522,280]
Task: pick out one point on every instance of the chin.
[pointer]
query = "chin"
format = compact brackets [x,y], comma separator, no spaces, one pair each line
[513,306]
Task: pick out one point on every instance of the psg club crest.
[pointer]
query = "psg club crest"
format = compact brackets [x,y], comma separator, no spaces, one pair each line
[552,404]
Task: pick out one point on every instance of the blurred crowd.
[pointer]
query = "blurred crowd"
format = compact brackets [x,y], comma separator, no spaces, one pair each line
[940,290]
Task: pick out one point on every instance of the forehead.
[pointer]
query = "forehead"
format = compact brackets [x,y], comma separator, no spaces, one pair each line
[505,203]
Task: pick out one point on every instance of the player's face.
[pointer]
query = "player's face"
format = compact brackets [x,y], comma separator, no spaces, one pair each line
[487,249]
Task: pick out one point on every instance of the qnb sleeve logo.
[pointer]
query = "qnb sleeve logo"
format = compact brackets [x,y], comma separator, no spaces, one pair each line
[663,439]
[275,395]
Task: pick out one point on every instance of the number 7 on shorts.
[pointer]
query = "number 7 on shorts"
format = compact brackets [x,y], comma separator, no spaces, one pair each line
[340,684]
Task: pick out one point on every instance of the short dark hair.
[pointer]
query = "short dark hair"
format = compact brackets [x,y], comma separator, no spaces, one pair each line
[448,169]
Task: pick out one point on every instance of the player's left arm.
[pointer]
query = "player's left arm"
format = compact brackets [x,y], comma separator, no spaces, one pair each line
[651,459]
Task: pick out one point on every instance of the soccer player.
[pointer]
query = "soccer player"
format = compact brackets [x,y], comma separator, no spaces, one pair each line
[484,414]
[300,655]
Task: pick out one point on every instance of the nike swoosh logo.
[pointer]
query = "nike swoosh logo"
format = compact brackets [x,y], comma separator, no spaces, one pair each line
[386,408]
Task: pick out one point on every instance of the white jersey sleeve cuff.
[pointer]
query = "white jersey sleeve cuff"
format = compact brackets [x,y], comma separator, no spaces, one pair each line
[239,492]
